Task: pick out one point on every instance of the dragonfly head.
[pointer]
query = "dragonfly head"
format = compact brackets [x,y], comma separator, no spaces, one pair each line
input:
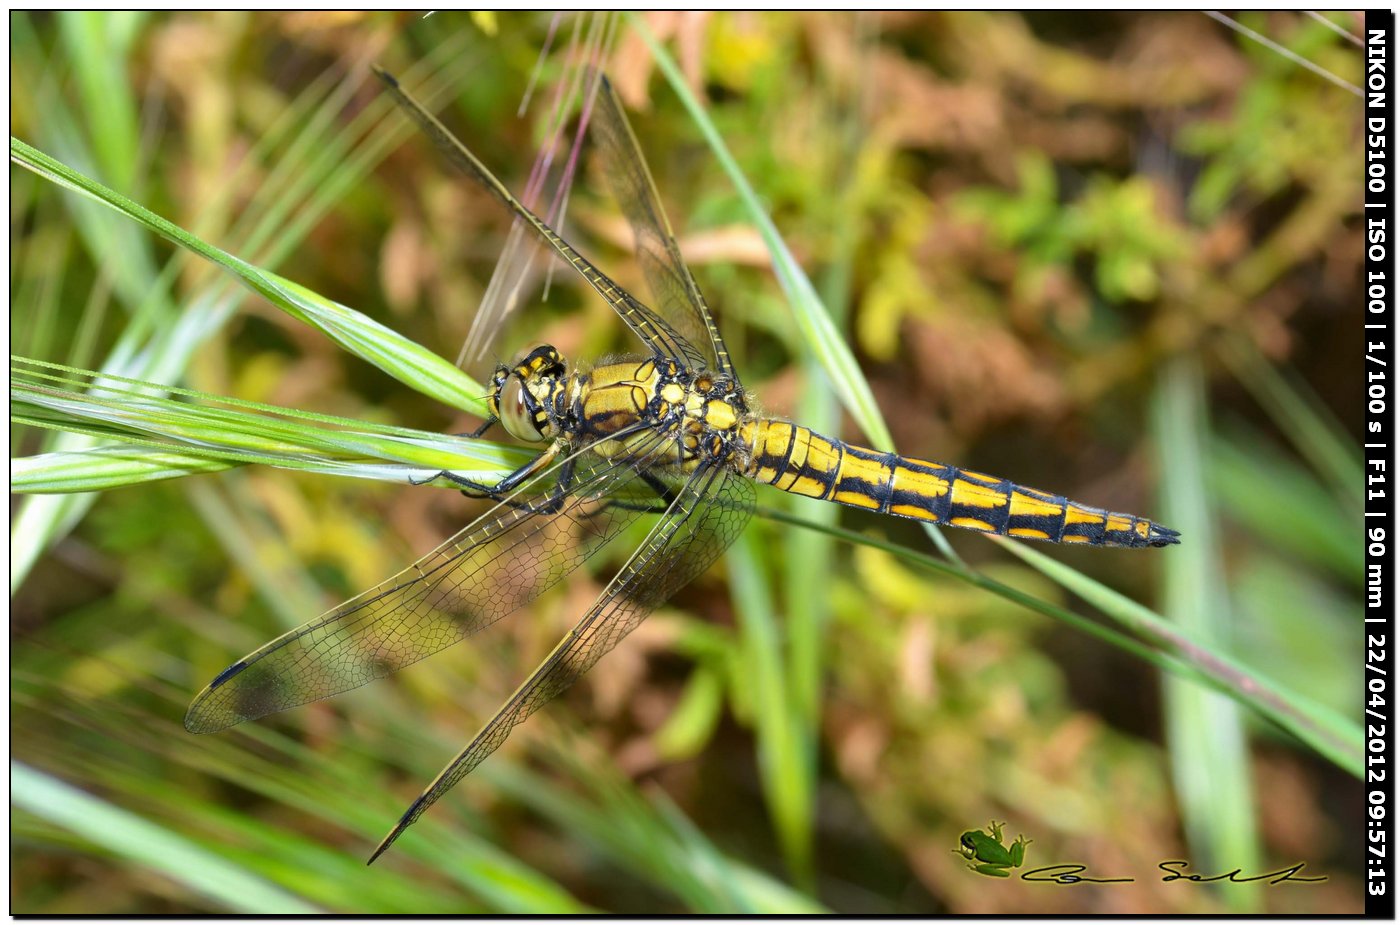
[521,393]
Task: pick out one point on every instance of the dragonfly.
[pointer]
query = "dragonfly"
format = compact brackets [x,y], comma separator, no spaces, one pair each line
[667,434]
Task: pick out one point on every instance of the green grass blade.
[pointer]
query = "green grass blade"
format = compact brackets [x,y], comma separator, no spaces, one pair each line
[78,138]
[761,893]
[98,44]
[784,766]
[1284,506]
[1301,417]
[1329,733]
[819,331]
[651,839]
[1215,796]
[148,845]
[203,426]
[123,256]
[360,335]
[285,587]
[811,556]
[105,467]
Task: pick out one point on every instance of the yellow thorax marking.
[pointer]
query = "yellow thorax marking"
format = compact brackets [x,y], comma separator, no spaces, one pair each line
[720,415]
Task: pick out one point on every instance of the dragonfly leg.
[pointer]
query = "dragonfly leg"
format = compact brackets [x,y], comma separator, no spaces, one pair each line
[498,491]
[665,494]
[485,426]
[548,504]
[470,488]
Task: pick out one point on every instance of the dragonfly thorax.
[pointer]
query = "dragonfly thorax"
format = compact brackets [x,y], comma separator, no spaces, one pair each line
[654,408]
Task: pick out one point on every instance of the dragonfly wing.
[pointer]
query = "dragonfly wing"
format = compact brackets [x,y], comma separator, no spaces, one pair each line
[496,564]
[703,520]
[658,334]
[675,296]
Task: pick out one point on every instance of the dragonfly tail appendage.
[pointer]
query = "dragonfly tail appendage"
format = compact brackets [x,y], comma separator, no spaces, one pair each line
[800,461]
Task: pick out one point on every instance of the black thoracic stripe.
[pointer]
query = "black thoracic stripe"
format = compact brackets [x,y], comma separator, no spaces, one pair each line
[585,383]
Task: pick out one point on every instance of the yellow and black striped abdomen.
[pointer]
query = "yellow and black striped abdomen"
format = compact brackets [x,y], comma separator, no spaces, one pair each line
[797,460]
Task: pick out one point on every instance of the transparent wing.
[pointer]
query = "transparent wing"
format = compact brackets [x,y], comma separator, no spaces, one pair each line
[496,564]
[659,336]
[675,296]
[705,517]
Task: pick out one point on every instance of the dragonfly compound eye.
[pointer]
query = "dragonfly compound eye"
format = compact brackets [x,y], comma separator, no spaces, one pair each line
[516,412]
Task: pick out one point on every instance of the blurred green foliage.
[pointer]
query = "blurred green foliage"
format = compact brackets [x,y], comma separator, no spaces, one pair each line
[1020,221]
